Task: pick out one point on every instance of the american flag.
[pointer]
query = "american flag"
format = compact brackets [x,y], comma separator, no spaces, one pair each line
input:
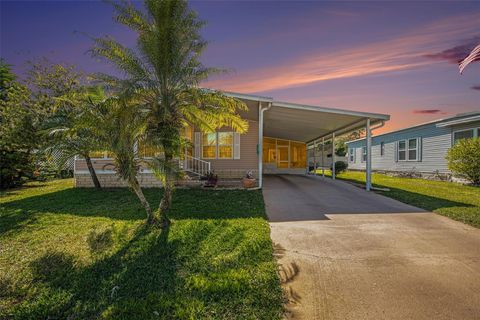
[473,56]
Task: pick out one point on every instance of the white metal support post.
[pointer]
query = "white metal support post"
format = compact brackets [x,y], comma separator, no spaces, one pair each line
[323,157]
[368,164]
[333,156]
[314,158]
[260,141]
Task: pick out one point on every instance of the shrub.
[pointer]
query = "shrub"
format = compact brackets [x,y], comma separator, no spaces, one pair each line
[340,166]
[464,159]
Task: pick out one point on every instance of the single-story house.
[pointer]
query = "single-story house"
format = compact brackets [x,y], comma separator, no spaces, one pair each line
[276,142]
[420,149]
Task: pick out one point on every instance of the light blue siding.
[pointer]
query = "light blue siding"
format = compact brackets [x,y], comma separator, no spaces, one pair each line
[435,142]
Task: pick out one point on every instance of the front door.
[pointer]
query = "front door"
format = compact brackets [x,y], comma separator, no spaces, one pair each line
[282,159]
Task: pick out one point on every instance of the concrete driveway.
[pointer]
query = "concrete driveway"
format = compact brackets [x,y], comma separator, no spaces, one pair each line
[348,254]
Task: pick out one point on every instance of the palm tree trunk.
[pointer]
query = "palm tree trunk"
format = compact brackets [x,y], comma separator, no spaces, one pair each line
[93,174]
[138,191]
[166,201]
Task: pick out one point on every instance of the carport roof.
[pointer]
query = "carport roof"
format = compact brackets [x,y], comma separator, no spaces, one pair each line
[306,123]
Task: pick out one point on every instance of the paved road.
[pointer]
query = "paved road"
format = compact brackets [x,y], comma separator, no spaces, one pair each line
[348,254]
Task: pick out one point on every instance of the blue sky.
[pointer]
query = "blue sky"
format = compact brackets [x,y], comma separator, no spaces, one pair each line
[389,57]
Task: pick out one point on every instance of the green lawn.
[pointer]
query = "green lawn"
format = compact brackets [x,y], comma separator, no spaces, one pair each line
[453,200]
[85,254]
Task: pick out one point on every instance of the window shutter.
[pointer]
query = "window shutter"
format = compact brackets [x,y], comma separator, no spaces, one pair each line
[236,145]
[396,151]
[197,144]
[419,149]
[354,155]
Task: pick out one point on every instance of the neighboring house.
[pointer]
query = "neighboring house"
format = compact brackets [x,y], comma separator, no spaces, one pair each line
[420,149]
[276,142]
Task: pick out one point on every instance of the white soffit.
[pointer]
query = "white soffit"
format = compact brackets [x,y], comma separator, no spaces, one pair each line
[306,123]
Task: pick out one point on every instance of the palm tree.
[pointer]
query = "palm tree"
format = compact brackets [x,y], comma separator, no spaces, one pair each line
[119,126]
[164,71]
[68,133]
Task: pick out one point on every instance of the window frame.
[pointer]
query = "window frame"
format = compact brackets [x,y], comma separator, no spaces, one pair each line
[232,145]
[411,149]
[217,145]
[475,134]
[364,154]
[214,145]
[382,148]
[407,149]
[351,155]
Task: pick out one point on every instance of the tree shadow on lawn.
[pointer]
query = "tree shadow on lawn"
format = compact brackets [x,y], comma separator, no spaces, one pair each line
[122,204]
[160,275]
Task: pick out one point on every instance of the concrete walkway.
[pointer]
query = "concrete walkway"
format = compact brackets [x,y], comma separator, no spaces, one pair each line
[348,254]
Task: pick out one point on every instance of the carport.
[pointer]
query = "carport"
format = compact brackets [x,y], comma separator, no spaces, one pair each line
[313,125]
[345,253]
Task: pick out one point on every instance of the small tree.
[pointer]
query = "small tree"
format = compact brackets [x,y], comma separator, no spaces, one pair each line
[69,133]
[62,93]
[464,159]
[165,72]
[18,134]
[341,142]
[120,123]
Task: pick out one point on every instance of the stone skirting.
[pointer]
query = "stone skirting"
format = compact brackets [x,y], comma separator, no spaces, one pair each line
[416,174]
[285,170]
[146,180]
[227,178]
[234,173]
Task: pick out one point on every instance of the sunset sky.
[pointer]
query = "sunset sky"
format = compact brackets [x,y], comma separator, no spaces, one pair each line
[386,57]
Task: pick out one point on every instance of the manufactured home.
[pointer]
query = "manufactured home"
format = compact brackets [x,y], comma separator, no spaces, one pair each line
[419,150]
[275,143]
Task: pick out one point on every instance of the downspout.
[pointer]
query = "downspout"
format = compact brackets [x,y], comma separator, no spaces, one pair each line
[382,123]
[260,141]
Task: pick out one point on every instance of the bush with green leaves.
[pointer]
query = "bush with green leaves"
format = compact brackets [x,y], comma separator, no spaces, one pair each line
[464,159]
[340,166]
[17,130]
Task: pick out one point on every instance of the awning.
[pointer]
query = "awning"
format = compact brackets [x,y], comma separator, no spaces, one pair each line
[307,123]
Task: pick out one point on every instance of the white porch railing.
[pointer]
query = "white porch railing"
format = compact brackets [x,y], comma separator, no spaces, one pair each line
[195,165]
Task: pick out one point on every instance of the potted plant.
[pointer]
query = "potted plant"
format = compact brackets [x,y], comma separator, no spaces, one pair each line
[248,181]
[211,179]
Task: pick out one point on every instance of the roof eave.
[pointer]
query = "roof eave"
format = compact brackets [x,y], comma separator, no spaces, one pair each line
[331,110]
[458,121]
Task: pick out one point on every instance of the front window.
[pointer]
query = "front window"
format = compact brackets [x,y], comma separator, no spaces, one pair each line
[412,149]
[464,134]
[97,154]
[209,145]
[382,148]
[350,154]
[364,154]
[408,150]
[147,150]
[402,154]
[298,155]
[225,145]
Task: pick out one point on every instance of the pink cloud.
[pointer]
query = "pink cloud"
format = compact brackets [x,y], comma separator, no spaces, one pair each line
[456,54]
[428,111]
[401,53]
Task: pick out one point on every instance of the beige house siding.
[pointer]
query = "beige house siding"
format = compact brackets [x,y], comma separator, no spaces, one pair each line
[224,168]
[236,168]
